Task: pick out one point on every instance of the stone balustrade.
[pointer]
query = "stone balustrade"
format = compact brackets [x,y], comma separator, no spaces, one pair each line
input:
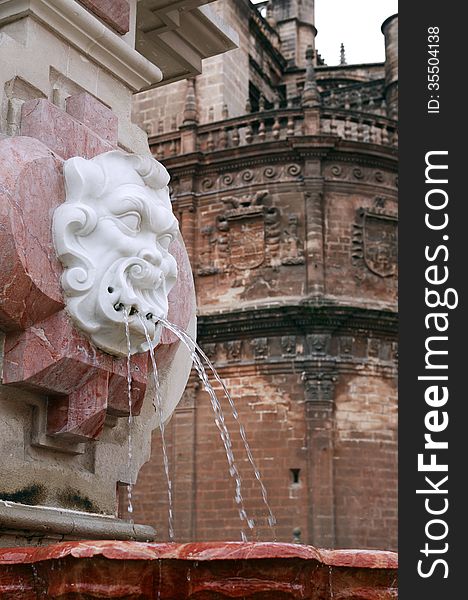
[271,126]
[359,127]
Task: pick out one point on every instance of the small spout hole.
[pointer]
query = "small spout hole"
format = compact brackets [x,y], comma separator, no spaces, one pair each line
[149,316]
[110,290]
[118,307]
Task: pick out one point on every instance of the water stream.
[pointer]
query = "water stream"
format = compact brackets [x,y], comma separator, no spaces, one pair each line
[196,352]
[157,403]
[219,421]
[193,347]
[130,415]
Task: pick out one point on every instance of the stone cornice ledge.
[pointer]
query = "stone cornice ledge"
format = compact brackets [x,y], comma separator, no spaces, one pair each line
[89,35]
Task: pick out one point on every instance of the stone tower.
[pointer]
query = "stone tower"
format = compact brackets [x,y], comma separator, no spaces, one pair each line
[295,22]
[390,31]
[287,198]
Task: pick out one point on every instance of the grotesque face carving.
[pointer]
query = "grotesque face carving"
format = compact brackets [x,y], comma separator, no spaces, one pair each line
[112,235]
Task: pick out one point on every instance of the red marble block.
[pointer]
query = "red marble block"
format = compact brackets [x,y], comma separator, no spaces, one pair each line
[63,134]
[31,187]
[260,571]
[44,352]
[53,357]
[95,115]
[181,297]
[118,385]
[115,13]
[81,414]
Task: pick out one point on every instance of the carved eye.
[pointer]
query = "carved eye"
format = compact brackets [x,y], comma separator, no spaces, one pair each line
[132,220]
[165,240]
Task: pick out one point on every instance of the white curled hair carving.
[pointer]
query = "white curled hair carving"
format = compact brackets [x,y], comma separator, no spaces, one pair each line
[112,235]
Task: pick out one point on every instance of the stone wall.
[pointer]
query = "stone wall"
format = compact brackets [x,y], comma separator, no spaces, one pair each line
[294,260]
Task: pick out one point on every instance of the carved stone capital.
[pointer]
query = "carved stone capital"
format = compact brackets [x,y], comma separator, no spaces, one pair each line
[319,391]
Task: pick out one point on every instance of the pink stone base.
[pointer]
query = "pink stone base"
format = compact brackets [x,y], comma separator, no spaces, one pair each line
[198,571]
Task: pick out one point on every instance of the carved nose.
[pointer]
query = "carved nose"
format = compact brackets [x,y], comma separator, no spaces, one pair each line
[151,255]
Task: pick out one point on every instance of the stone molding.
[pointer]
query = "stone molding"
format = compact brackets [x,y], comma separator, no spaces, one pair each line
[259,321]
[89,35]
[181,35]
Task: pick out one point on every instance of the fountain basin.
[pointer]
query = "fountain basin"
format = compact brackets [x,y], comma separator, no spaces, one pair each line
[198,571]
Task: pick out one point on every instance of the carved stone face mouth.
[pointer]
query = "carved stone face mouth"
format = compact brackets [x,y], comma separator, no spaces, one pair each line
[139,288]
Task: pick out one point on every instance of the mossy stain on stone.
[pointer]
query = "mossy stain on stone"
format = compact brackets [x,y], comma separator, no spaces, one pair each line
[72,499]
[32,495]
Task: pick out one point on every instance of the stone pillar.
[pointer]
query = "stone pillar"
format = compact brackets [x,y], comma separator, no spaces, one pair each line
[313,185]
[186,204]
[319,387]
[390,31]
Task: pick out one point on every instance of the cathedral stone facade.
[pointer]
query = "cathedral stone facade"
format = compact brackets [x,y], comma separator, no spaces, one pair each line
[284,180]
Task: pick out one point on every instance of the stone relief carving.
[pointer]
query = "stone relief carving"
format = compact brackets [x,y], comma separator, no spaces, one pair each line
[360,175]
[319,393]
[346,346]
[112,236]
[373,348]
[249,226]
[318,343]
[292,247]
[255,175]
[375,241]
[260,347]
[210,349]
[248,236]
[233,349]
[288,345]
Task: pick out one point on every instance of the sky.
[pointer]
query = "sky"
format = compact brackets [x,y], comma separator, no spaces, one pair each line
[356,23]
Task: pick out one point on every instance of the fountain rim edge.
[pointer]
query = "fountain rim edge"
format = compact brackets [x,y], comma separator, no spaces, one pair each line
[199,551]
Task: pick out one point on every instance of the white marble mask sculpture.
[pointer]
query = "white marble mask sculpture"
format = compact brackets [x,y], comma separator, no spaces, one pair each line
[112,236]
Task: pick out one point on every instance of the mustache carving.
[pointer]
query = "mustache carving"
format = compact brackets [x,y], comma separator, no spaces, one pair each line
[139,286]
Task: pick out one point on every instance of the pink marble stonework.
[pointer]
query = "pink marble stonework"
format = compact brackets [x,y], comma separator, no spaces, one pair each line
[197,571]
[95,115]
[44,351]
[31,187]
[58,130]
[115,13]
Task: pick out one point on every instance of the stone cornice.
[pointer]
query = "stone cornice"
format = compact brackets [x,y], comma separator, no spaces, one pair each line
[89,35]
[180,34]
[296,319]
[293,149]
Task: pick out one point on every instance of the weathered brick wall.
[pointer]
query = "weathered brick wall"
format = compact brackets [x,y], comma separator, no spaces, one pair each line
[366,460]
[331,472]
[315,390]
